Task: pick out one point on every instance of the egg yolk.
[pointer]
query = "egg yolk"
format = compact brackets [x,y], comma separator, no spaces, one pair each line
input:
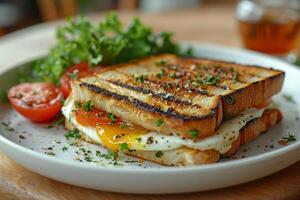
[94,117]
[112,133]
[113,136]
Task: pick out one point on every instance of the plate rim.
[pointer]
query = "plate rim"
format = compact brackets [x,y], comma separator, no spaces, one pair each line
[187,169]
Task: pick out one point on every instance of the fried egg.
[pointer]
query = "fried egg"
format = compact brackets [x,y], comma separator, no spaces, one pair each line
[140,139]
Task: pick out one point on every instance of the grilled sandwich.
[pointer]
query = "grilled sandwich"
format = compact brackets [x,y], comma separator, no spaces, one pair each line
[177,111]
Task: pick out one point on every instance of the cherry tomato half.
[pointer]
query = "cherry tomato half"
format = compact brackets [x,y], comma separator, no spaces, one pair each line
[38,102]
[74,72]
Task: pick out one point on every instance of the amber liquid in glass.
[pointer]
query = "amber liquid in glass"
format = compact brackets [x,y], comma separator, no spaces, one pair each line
[276,32]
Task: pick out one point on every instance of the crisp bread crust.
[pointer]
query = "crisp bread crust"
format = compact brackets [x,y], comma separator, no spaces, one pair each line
[186,156]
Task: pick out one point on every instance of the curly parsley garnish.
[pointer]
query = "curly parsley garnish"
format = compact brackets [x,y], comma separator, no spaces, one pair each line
[108,42]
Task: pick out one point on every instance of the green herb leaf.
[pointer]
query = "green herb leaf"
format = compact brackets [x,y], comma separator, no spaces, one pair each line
[161,73]
[159,122]
[211,80]
[161,63]
[159,154]
[124,147]
[109,155]
[141,78]
[74,75]
[289,98]
[123,125]
[59,121]
[50,153]
[7,126]
[173,75]
[87,106]
[73,134]
[194,133]
[112,117]
[64,148]
[290,138]
[78,105]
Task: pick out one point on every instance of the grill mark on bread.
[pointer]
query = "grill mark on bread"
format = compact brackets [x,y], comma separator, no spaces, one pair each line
[168,85]
[142,105]
[164,96]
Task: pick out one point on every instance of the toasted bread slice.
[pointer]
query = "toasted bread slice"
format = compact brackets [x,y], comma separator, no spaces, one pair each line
[185,156]
[187,94]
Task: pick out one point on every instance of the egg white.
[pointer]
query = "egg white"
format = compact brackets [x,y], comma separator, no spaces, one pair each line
[220,141]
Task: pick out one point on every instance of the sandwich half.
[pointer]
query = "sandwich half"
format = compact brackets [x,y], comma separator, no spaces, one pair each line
[174,111]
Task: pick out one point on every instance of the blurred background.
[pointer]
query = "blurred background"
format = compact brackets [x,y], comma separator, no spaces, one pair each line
[269,26]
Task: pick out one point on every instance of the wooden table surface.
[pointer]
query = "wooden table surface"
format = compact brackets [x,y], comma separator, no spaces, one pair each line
[209,24]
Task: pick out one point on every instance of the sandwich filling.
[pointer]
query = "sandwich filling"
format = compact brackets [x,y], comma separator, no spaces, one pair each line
[115,134]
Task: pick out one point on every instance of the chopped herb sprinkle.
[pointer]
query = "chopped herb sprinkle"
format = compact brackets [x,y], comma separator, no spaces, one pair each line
[161,63]
[193,133]
[64,148]
[173,75]
[141,78]
[74,75]
[73,134]
[211,80]
[161,73]
[109,155]
[289,98]
[289,138]
[78,105]
[7,126]
[123,125]
[159,154]
[87,106]
[59,121]
[50,153]
[112,117]
[159,122]
[124,147]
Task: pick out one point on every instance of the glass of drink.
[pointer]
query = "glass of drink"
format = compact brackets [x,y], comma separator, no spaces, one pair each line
[269,26]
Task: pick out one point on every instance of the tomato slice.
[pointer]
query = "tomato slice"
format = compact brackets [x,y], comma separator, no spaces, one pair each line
[95,117]
[79,70]
[38,102]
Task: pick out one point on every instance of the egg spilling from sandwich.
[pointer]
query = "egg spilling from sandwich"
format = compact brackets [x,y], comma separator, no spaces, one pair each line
[113,133]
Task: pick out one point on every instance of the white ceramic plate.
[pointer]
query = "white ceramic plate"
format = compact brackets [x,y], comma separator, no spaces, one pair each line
[33,145]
